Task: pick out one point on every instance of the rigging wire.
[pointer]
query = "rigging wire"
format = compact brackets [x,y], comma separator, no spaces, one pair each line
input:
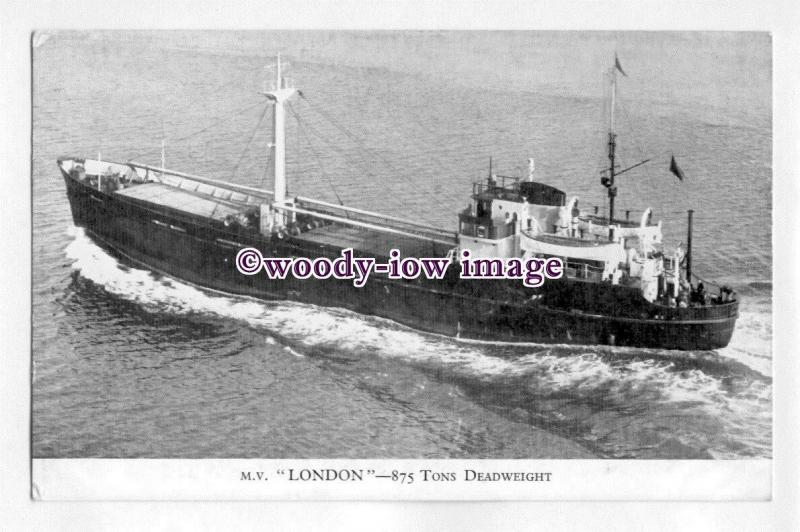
[352,136]
[355,138]
[249,142]
[302,129]
[442,167]
[360,147]
[357,141]
[635,137]
[217,122]
[204,129]
[322,137]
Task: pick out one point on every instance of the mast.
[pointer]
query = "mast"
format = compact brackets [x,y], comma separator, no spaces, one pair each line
[608,181]
[612,146]
[279,95]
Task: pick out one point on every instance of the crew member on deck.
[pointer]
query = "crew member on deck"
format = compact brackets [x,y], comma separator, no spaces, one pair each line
[699,294]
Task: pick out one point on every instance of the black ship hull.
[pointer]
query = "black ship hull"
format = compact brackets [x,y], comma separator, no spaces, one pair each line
[202,252]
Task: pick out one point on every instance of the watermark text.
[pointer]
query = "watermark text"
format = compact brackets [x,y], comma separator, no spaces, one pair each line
[532,272]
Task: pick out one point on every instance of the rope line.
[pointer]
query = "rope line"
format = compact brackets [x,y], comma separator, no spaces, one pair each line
[302,129]
[352,136]
[217,122]
[327,141]
[252,136]
[361,148]
[198,132]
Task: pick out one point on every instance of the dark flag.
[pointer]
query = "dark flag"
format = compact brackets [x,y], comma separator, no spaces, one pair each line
[673,167]
[619,66]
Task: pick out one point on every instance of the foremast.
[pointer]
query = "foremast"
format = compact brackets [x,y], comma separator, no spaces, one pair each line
[281,92]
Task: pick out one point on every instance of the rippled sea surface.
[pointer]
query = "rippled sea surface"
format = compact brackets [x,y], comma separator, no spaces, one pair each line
[131,364]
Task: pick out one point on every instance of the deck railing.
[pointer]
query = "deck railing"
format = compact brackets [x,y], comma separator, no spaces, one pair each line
[448,240]
[352,213]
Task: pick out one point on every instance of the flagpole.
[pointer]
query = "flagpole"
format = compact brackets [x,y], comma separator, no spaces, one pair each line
[613,98]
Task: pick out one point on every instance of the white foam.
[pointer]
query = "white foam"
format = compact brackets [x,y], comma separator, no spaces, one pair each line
[751,343]
[543,369]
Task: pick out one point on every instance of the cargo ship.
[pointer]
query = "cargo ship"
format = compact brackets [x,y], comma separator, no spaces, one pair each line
[620,286]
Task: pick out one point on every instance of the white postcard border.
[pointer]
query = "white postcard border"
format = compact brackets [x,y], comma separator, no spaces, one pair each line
[780,17]
[486,480]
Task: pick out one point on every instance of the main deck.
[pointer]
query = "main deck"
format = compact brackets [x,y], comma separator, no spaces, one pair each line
[187,201]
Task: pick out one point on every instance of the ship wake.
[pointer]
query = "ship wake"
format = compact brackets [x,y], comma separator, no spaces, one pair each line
[618,402]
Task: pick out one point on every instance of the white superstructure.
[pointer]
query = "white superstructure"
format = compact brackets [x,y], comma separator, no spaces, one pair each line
[509,218]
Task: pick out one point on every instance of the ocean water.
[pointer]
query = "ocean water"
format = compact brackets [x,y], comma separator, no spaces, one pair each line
[131,364]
